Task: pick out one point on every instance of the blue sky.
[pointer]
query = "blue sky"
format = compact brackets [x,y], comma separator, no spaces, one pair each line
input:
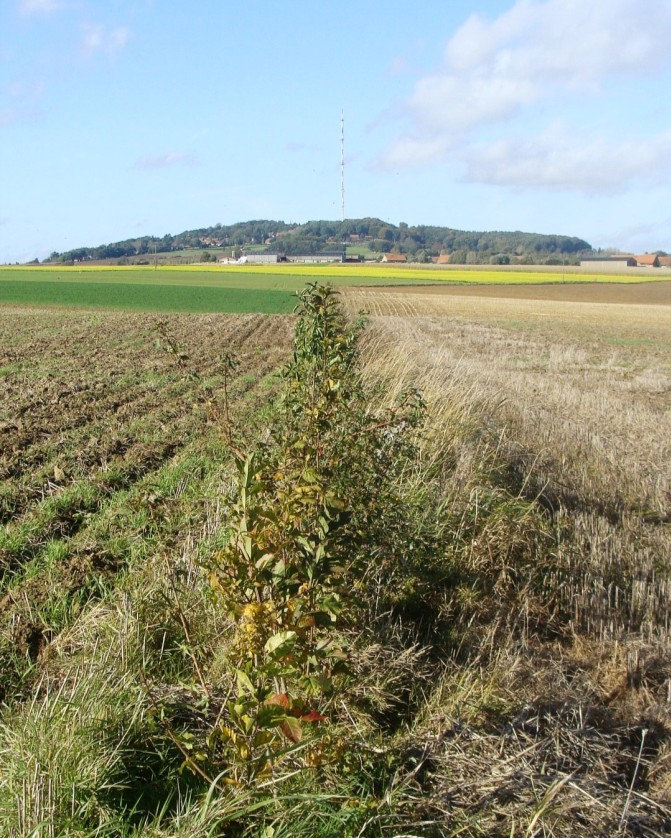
[120,118]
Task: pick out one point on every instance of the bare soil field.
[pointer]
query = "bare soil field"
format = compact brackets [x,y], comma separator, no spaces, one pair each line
[644,293]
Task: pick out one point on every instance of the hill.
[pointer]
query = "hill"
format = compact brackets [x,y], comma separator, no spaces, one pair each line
[369,236]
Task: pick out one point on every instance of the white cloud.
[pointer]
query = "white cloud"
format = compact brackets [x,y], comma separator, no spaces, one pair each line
[446,103]
[98,39]
[416,151]
[165,161]
[559,159]
[499,70]
[45,7]
[565,42]
[637,238]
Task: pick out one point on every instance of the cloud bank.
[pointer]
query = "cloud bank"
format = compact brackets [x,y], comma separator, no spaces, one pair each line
[498,73]
[558,160]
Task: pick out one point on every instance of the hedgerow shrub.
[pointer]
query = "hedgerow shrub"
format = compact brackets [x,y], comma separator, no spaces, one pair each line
[310,504]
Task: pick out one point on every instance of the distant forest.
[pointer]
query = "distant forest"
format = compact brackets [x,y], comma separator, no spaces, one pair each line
[370,237]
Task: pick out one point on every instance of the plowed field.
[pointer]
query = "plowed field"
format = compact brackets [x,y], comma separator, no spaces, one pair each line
[104,434]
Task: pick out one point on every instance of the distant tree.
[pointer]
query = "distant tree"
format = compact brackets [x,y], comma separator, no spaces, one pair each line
[381,236]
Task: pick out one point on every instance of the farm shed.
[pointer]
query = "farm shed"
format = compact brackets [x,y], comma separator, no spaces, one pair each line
[259,259]
[648,260]
[394,257]
[607,263]
[323,257]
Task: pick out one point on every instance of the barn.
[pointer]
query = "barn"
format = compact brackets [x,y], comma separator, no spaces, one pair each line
[648,260]
[608,263]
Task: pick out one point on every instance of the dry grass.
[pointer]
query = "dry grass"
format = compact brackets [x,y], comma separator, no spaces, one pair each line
[566,404]
[577,398]
[558,766]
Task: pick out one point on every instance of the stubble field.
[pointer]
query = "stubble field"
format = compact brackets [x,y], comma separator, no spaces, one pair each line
[565,399]
[579,393]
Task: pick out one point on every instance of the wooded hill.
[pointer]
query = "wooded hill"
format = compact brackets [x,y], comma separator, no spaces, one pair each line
[370,235]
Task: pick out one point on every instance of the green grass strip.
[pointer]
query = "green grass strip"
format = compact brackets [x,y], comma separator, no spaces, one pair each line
[136,297]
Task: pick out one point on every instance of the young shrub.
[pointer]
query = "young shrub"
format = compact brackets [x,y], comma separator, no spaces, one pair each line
[309,504]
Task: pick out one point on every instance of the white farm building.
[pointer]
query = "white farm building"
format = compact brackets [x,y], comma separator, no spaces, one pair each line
[259,259]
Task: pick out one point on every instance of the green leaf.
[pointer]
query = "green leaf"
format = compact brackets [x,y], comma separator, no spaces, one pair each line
[331,604]
[281,643]
[317,684]
[244,683]
[311,476]
[306,544]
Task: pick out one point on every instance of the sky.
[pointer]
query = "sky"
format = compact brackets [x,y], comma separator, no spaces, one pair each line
[123,118]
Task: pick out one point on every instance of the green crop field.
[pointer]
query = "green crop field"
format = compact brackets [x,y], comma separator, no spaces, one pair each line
[240,289]
[146,297]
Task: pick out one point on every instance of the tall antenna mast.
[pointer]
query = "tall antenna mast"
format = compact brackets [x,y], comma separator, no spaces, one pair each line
[342,165]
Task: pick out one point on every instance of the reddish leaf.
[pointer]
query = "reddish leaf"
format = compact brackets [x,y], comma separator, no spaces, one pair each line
[312,716]
[292,729]
[280,699]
